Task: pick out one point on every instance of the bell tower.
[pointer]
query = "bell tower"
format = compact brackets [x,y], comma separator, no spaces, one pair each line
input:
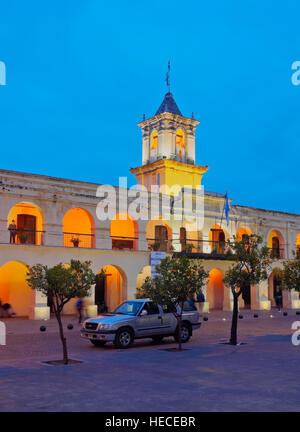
[168,149]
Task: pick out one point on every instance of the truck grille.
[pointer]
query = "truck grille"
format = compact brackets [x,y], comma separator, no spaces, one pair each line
[91,326]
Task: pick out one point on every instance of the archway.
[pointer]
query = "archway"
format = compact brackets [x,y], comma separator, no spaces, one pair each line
[79,228]
[217,239]
[159,235]
[145,272]
[14,288]
[242,232]
[276,244]
[215,289]
[298,246]
[112,289]
[30,223]
[124,231]
[275,286]
[189,237]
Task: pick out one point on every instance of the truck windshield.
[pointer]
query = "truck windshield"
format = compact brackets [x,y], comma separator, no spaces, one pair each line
[128,308]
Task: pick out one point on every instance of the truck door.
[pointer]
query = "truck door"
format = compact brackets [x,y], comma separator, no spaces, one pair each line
[151,323]
[169,321]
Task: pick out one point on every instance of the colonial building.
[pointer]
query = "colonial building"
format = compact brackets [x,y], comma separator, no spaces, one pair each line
[59,219]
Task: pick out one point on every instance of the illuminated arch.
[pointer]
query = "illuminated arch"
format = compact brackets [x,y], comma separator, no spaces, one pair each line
[145,272]
[159,235]
[124,231]
[298,246]
[243,231]
[30,221]
[14,288]
[274,285]
[154,140]
[189,235]
[180,143]
[276,243]
[217,239]
[112,289]
[215,289]
[78,224]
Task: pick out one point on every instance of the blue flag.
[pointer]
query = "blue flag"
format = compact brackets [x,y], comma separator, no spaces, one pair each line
[227,209]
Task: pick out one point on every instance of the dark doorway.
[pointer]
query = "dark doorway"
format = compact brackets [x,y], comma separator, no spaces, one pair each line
[275,247]
[277,290]
[246,295]
[26,225]
[161,238]
[100,291]
[182,237]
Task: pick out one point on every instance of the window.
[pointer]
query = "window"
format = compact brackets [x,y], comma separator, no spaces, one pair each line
[180,143]
[151,308]
[154,140]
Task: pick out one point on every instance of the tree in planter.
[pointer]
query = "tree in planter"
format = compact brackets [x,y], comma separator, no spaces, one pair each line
[177,279]
[251,264]
[62,283]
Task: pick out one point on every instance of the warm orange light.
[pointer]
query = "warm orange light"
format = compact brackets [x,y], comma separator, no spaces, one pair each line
[14,288]
[215,289]
[243,231]
[180,142]
[37,222]
[78,223]
[115,285]
[124,228]
[154,140]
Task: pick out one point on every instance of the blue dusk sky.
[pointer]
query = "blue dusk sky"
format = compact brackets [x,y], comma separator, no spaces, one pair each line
[81,73]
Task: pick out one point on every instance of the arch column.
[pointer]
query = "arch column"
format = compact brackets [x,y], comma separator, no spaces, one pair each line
[228,299]
[290,299]
[39,310]
[263,296]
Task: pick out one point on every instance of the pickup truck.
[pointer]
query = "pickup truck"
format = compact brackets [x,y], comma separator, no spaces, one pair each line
[137,319]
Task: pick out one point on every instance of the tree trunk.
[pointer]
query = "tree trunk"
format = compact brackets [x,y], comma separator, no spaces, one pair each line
[233,336]
[179,334]
[62,337]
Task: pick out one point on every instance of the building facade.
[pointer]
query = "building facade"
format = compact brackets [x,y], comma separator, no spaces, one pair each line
[56,220]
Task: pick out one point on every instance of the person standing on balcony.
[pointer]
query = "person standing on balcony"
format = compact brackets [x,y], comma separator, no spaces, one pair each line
[13,231]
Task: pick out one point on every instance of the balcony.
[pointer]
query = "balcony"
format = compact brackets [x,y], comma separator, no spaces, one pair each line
[276,253]
[30,237]
[78,240]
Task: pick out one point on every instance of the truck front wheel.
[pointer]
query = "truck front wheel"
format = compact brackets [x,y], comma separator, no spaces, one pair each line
[124,338]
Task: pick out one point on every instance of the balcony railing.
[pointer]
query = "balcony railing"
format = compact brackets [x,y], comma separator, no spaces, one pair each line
[124,243]
[277,253]
[24,236]
[79,240]
[206,247]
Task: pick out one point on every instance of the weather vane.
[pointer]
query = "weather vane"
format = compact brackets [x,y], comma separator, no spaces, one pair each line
[168,76]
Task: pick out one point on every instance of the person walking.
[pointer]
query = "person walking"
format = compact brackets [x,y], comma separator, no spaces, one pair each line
[79,306]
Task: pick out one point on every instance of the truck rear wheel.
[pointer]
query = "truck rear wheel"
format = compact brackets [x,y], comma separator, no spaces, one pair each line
[185,333]
[124,338]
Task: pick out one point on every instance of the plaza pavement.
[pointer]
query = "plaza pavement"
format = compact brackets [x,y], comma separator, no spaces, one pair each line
[262,375]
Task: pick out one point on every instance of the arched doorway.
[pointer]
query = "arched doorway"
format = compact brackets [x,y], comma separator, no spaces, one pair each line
[276,244]
[275,287]
[159,235]
[215,290]
[112,289]
[243,233]
[124,231]
[217,239]
[14,288]
[30,223]
[145,272]
[79,228]
[298,246]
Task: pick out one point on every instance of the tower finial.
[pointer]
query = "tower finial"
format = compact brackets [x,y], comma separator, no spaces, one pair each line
[168,77]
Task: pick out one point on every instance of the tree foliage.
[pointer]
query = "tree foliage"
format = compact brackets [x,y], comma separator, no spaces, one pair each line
[176,280]
[290,274]
[252,261]
[61,283]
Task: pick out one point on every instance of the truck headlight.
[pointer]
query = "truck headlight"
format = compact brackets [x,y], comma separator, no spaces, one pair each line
[104,326]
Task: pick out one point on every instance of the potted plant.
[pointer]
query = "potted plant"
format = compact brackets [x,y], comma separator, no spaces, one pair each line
[188,247]
[22,237]
[75,241]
